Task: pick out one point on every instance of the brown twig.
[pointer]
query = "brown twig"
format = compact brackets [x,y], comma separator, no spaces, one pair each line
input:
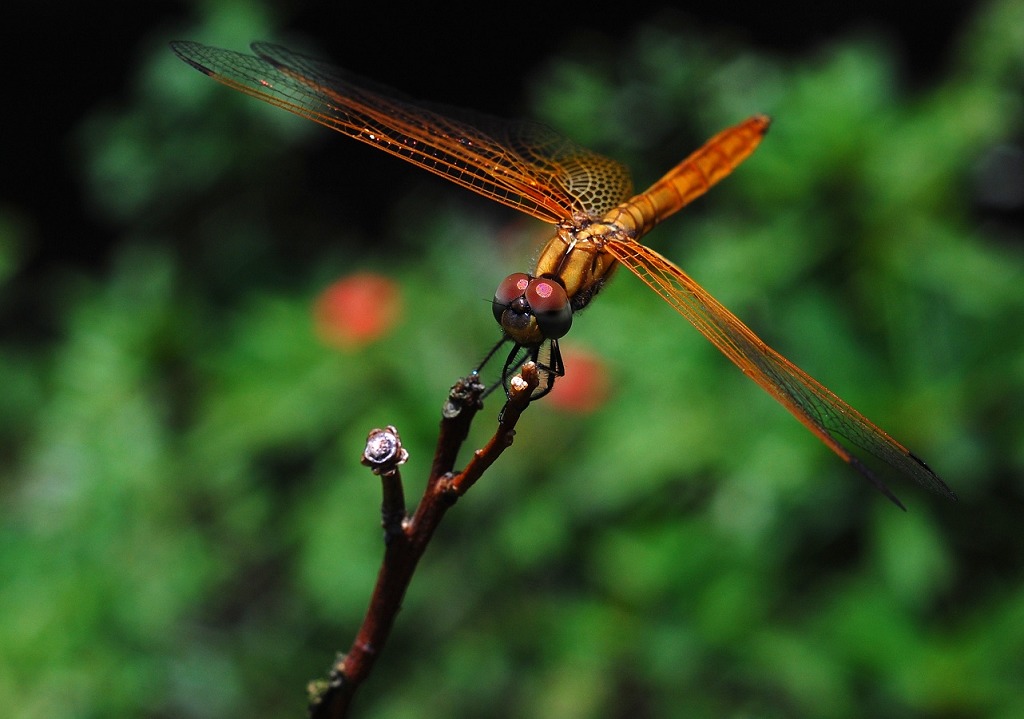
[406,538]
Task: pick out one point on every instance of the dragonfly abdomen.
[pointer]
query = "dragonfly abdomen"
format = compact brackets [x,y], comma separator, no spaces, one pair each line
[691,178]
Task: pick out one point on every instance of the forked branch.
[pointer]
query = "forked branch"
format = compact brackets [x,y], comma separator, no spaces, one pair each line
[405,537]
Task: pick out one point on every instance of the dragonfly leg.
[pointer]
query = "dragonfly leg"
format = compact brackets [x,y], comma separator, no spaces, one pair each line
[548,359]
[546,356]
[493,351]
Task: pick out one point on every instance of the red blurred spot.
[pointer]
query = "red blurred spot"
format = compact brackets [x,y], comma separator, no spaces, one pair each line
[586,384]
[357,310]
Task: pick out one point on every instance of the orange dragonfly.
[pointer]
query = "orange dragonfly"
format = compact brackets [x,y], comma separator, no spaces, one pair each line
[598,223]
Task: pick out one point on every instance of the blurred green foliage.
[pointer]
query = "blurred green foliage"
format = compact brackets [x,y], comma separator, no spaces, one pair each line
[186,530]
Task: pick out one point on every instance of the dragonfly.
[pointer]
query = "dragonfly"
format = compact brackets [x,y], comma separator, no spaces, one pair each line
[598,223]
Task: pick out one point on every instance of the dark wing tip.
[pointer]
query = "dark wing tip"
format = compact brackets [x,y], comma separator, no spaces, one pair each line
[936,483]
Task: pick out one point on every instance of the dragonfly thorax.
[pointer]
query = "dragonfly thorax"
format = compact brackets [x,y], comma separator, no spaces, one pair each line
[577,258]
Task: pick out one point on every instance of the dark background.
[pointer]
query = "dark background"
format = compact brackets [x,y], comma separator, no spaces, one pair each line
[83,57]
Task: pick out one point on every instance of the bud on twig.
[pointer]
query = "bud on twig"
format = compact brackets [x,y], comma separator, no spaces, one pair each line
[384,452]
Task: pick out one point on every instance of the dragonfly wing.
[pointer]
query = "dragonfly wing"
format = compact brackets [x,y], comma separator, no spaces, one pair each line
[820,410]
[523,165]
[591,183]
[594,183]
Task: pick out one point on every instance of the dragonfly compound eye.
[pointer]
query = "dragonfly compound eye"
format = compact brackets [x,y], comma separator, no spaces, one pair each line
[550,306]
[510,289]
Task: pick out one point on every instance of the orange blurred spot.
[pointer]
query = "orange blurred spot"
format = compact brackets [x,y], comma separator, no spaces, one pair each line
[585,386]
[357,310]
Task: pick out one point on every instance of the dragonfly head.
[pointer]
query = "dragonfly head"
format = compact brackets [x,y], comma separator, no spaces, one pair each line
[532,309]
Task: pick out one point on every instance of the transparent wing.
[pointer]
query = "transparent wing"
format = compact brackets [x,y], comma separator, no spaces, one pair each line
[821,411]
[520,164]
